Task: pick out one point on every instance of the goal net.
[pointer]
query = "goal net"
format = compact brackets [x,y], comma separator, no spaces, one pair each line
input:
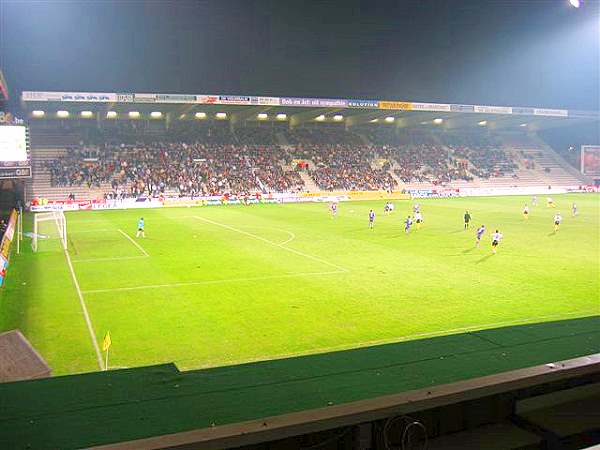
[49,231]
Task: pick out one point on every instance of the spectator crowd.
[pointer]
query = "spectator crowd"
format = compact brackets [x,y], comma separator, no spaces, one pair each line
[215,160]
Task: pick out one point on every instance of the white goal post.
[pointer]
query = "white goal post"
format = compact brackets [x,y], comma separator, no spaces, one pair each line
[49,225]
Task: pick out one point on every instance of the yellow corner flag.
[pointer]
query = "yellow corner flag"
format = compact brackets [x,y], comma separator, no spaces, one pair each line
[106,342]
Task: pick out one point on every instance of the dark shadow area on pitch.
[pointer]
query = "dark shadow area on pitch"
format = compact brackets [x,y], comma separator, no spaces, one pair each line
[551,234]
[479,261]
[457,231]
[469,250]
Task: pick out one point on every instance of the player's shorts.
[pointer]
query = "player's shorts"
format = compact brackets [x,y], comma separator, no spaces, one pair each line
[140,229]
[556,223]
[494,243]
[525,213]
[419,221]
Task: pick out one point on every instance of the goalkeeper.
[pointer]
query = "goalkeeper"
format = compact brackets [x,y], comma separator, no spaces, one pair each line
[140,229]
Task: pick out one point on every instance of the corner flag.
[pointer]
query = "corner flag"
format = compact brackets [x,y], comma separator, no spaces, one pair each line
[106,342]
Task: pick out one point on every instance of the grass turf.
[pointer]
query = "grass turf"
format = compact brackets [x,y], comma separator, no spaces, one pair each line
[224,285]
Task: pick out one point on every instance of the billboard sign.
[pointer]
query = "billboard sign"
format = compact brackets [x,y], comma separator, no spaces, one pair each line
[372,104]
[462,108]
[550,112]
[265,101]
[441,107]
[405,106]
[315,102]
[493,109]
[234,100]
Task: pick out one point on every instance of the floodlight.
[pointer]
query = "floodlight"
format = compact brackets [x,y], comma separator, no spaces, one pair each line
[438,120]
[86,114]
[221,115]
[338,117]
[389,119]
[111,114]
[62,113]
[262,116]
[374,121]
[575,3]
[281,116]
[181,117]
[483,123]
[320,118]
[38,113]
[156,114]
[523,125]
[200,115]
[134,114]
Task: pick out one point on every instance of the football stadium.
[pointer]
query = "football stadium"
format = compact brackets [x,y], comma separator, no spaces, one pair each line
[294,271]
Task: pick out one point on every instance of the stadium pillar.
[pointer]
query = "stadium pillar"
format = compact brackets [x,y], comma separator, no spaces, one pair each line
[168,119]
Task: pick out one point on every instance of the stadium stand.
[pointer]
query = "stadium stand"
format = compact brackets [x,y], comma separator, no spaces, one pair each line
[132,159]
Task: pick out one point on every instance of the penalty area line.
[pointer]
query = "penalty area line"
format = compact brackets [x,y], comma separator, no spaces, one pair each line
[208,282]
[116,258]
[133,242]
[282,246]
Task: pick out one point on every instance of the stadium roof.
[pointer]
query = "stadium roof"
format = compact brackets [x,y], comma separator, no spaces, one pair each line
[297,110]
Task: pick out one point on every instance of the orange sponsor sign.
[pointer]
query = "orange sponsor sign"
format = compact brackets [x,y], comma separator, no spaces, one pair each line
[406,106]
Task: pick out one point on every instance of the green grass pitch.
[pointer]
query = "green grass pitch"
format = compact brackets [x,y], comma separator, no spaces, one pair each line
[222,285]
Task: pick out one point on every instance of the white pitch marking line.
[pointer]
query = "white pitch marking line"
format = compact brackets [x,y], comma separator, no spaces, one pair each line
[206,282]
[86,315]
[116,258]
[292,237]
[297,252]
[101,230]
[133,242]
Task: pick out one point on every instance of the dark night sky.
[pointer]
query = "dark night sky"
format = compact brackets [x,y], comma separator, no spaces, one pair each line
[506,52]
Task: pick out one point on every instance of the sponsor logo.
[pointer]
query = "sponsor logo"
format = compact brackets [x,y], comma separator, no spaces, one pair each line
[234,99]
[175,98]
[315,102]
[15,172]
[462,108]
[522,111]
[493,109]
[267,101]
[406,106]
[550,112]
[125,98]
[431,107]
[145,98]
[363,103]
[207,99]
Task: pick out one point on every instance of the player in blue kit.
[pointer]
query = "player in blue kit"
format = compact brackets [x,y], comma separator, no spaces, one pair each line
[480,232]
[140,228]
[371,219]
[407,224]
